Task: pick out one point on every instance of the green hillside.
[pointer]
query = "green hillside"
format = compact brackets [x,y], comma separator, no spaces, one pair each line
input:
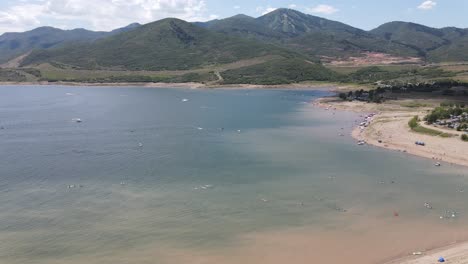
[446,44]
[169,44]
[279,71]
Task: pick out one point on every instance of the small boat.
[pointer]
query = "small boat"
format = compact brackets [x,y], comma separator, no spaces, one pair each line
[437,164]
[77,120]
[185,100]
[140,144]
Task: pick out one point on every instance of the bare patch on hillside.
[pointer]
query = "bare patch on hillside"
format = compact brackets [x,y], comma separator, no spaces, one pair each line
[15,63]
[371,58]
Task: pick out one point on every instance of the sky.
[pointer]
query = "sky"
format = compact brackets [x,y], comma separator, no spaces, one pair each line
[21,15]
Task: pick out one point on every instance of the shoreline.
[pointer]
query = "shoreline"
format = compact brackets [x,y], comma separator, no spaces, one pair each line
[332,87]
[388,129]
[456,253]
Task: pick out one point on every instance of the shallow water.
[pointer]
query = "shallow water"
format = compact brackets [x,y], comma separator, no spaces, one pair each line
[228,176]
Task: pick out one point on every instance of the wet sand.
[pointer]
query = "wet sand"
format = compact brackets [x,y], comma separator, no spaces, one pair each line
[457,254]
[367,242]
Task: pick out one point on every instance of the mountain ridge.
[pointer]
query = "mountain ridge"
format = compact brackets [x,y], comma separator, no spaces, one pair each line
[14,44]
[168,44]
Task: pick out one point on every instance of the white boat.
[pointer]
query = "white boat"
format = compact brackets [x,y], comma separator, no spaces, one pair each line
[185,100]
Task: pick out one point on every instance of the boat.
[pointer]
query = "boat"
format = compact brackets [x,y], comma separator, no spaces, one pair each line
[185,100]
[437,164]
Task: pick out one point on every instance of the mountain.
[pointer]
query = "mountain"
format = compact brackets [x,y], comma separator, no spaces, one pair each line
[282,46]
[243,26]
[15,44]
[310,35]
[295,23]
[445,44]
[168,44]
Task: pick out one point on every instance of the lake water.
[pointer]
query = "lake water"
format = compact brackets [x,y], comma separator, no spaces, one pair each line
[227,176]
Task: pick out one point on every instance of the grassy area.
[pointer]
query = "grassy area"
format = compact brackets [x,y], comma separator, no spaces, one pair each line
[455,67]
[431,132]
[414,125]
[414,104]
[389,68]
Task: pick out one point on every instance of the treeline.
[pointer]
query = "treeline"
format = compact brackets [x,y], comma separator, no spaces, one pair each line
[376,95]
[446,111]
[443,86]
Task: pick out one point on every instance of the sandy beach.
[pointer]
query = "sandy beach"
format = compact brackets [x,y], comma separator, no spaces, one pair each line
[456,254]
[389,129]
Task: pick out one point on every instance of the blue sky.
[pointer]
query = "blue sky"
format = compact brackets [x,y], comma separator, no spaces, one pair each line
[20,15]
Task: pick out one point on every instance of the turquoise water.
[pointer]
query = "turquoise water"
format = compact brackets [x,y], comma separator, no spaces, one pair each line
[223,164]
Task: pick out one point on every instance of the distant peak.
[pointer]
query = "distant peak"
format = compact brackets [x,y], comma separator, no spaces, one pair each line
[133,25]
[242,16]
[285,10]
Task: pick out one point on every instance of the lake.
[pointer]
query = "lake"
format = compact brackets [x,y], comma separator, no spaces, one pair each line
[209,176]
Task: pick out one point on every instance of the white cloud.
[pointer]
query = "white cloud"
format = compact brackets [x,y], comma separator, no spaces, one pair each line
[236,7]
[427,5]
[323,9]
[292,6]
[98,14]
[17,17]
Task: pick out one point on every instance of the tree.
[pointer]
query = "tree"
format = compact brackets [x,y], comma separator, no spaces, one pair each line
[464,137]
[343,96]
[413,123]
